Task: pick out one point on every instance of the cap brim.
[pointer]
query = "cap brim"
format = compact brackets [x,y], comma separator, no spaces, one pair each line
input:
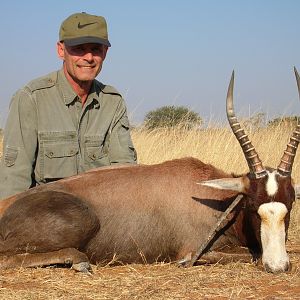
[86,40]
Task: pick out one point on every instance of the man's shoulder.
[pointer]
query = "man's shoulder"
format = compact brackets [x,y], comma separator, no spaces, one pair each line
[107,89]
[43,82]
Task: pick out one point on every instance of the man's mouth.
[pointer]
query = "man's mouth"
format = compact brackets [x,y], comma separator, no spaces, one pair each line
[87,67]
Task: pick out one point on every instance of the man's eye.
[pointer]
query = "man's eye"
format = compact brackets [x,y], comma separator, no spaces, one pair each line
[78,48]
[97,50]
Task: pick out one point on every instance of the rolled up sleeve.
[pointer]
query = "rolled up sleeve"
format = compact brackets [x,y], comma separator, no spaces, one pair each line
[19,145]
[121,148]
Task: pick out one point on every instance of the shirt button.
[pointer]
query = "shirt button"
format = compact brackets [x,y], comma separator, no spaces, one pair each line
[51,154]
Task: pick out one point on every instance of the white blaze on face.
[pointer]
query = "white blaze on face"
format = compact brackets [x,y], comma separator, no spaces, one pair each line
[272,232]
[272,185]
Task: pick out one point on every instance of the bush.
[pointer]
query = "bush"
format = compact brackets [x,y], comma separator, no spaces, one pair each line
[254,122]
[170,116]
[290,121]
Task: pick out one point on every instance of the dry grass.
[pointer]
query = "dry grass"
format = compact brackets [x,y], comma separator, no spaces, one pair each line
[156,282]
[165,281]
[216,146]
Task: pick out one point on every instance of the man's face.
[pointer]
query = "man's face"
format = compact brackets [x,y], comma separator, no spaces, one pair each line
[82,62]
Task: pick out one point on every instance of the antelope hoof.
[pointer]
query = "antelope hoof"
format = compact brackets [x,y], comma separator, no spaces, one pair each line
[83,267]
[185,261]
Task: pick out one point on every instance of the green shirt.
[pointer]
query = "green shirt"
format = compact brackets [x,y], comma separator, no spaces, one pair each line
[49,135]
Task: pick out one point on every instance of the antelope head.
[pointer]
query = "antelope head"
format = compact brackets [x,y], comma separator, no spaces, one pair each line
[268,193]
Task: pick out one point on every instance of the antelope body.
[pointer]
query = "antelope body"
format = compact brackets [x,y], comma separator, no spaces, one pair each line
[149,213]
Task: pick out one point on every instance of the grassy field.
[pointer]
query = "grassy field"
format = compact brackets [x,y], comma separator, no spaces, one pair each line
[165,281]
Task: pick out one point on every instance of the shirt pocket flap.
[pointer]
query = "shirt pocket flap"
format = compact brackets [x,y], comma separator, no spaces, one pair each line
[95,153]
[61,150]
[10,156]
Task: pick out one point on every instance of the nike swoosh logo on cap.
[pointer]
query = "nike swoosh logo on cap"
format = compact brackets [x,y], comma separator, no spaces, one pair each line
[84,25]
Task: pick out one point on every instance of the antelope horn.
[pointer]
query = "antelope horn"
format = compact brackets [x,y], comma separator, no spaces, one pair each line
[255,165]
[287,160]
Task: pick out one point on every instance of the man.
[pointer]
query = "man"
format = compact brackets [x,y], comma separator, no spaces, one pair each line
[66,122]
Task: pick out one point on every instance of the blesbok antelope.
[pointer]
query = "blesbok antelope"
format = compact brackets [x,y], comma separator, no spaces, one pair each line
[149,213]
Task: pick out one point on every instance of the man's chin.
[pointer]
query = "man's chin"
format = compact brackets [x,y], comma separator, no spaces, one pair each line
[87,77]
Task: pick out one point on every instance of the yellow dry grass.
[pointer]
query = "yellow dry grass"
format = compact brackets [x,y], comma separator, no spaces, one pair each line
[216,146]
[164,281]
[155,282]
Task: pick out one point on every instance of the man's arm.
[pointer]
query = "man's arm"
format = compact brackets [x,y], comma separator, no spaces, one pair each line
[121,149]
[19,145]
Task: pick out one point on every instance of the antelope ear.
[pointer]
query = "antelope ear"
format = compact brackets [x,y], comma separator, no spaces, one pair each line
[297,191]
[239,184]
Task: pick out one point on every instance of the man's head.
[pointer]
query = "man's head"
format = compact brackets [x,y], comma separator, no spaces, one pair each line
[83,28]
[83,43]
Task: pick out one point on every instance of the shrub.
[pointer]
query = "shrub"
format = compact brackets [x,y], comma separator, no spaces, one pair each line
[171,116]
[290,121]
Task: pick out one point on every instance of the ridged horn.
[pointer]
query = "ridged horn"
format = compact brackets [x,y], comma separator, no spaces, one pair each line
[287,160]
[255,165]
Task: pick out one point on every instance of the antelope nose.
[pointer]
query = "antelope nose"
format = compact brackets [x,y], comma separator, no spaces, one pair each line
[279,269]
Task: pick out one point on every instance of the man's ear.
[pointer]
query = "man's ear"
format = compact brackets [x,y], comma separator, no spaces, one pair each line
[60,48]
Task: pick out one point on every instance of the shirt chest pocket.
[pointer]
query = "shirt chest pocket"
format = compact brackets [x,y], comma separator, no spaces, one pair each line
[58,155]
[95,152]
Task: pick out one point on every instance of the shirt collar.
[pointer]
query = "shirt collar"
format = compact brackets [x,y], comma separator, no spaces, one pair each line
[69,94]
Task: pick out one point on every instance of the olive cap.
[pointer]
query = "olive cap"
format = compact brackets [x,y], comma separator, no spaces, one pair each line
[82,28]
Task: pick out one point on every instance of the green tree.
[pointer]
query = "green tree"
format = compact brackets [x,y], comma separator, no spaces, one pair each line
[170,116]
